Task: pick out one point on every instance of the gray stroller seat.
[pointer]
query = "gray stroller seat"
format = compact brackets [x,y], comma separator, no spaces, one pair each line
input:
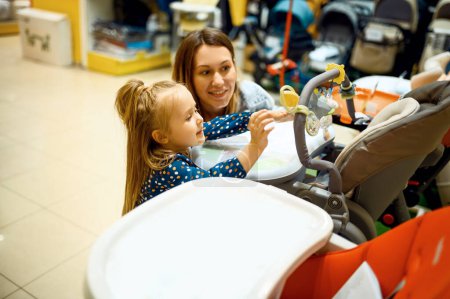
[378,163]
[372,171]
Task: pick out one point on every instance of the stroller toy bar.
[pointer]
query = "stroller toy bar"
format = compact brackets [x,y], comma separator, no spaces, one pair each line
[320,114]
[331,200]
[289,99]
[340,67]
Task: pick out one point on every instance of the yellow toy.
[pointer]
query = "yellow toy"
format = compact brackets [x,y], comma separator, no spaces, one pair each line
[290,101]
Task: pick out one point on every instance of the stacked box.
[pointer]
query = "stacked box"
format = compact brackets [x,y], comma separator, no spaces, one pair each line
[45,36]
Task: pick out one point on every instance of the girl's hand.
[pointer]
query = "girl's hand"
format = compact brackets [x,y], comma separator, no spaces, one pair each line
[259,126]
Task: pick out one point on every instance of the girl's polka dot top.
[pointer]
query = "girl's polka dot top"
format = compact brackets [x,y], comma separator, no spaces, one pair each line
[183,169]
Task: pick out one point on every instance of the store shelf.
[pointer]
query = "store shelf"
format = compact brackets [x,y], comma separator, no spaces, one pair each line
[83,14]
[9,27]
[109,64]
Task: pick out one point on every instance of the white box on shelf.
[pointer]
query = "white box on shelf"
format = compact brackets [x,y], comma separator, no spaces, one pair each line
[45,36]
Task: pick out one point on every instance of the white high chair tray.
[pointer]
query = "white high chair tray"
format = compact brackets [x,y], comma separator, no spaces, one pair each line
[278,161]
[209,238]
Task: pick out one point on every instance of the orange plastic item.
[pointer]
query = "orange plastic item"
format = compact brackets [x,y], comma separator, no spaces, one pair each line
[365,100]
[446,139]
[275,68]
[416,252]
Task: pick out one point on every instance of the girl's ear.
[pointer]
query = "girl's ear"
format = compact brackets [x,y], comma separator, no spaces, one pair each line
[160,137]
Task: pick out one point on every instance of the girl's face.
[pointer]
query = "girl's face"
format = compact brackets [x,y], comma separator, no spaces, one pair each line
[186,124]
[214,78]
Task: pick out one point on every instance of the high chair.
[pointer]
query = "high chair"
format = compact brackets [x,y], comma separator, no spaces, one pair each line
[371,172]
[410,261]
[207,238]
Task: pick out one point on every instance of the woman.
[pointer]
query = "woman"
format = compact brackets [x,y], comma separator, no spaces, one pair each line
[205,63]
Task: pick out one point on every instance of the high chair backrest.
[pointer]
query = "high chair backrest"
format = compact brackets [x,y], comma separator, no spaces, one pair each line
[415,254]
[377,164]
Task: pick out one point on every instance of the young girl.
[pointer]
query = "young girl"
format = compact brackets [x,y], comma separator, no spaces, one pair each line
[163,122]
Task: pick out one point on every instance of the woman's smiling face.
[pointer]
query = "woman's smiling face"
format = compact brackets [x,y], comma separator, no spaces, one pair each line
[214,78]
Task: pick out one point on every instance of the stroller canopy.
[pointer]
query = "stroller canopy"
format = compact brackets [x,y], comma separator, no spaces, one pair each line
[404,13]
[302,16]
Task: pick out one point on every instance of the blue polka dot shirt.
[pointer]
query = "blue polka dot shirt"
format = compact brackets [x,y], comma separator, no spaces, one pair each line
[183,169]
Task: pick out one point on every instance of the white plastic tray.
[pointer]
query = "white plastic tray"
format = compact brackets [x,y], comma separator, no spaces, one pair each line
[279,160]
[210,238]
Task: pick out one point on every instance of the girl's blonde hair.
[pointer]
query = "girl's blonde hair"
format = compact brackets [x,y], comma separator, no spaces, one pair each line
[183,68]
[142,112]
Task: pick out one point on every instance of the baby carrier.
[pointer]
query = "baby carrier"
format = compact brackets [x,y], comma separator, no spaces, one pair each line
[385,36]
[338,26]
[438,36]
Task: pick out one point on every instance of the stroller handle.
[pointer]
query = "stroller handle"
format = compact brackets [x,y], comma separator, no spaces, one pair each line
[335,183]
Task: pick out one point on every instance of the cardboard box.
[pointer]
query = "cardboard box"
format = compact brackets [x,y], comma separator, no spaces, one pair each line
[45,36]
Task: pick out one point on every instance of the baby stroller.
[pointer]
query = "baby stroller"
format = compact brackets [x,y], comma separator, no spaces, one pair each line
[438,36]
[338,26]
[387,34]
[269,45]
[386,154]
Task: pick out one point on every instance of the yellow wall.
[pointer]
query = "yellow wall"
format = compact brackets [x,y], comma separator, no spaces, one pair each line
[72,9]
